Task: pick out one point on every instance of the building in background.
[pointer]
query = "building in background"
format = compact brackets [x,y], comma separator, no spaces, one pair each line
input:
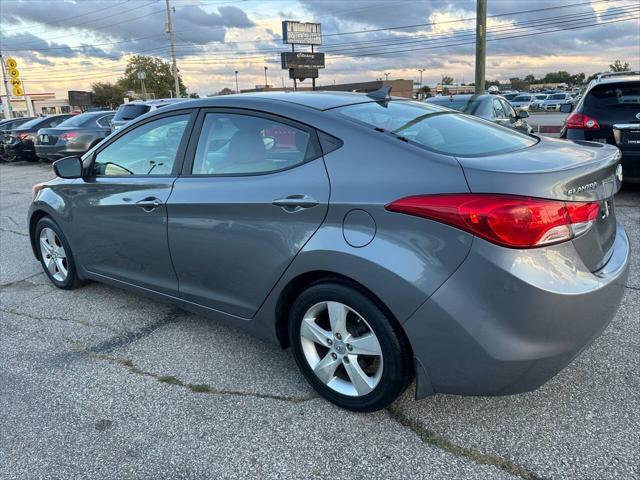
[399,88]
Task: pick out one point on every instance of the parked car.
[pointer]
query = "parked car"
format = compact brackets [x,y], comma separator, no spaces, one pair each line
[349,227]
[511,95]
[522,102]
[609,112]
[490,107]
[538,102]
[5,131]
[74,136]
[554,101]
[20,143]
[129,111]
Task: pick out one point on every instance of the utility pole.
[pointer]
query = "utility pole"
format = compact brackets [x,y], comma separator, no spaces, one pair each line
[141,76]
[266,84]
[481,44]
[6,102]
[237,89]
[174,66]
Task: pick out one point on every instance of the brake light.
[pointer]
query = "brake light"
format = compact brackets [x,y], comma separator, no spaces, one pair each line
[507,220]
[578,121]
[68,135]
[24,136]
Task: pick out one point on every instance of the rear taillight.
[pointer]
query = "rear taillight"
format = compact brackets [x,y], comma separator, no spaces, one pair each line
[24,136]
[68,135]
[507,220]
[578,121]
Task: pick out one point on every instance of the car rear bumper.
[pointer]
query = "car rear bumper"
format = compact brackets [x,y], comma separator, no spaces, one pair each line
[630,166]
[55,152]
[509,320]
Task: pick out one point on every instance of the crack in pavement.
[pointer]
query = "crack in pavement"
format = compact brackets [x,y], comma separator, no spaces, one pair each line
[14,232]
[12,220]
[431,438]
[193,387]
[16,282]
[58,318]
[632,288]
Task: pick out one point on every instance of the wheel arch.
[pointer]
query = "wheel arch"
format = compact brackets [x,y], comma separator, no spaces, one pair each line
[34,218]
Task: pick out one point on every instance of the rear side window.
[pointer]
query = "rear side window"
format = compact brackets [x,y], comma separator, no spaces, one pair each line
[437,129]
[105,121]
[620,95]
[234,144]
[130,111]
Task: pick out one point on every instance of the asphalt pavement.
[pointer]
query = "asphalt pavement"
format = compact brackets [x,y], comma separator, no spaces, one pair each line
[100,383]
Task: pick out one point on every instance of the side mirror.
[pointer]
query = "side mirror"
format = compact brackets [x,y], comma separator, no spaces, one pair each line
[523,114]
[566,108]
[68,167]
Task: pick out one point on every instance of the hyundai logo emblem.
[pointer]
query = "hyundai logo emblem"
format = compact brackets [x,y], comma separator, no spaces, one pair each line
[638,115]
[619,171]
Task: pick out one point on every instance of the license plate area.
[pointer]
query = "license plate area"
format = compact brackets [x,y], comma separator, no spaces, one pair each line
[630,136]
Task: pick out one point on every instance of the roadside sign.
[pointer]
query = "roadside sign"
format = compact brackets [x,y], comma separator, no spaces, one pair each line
[18,91]
[302,73]
[302,60]
[14,73]
[301,33]
[11,63]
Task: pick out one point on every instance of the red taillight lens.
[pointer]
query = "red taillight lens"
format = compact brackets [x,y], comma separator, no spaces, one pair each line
[578,121]
[68,135]
[507,220]
[24,136]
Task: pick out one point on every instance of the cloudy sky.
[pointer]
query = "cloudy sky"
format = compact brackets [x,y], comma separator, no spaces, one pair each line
[69,44]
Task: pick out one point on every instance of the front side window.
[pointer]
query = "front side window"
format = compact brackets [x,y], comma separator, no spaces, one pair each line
[236,144]
[149,149]
[508,109]
[438,129]
[497,109]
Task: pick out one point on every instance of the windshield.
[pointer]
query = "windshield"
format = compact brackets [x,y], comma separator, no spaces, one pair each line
[626,95]
[438,129]
[130,111]
[557,96]
[522,98]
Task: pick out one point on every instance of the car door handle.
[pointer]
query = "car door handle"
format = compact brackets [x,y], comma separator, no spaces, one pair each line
[295,203]
[149,203]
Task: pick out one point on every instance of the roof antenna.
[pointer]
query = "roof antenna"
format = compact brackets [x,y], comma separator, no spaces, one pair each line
[381,94]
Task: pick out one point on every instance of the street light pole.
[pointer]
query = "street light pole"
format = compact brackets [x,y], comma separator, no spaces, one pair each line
[266,83]
[421,70]
[237,89]
[386,76]
[174,65]
[481,44]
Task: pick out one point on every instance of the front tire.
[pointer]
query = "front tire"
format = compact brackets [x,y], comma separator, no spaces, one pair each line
[347,348]
[55,255]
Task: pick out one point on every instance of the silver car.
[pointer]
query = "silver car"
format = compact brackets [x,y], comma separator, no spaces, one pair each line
[555,100]
[381,239]
[523,102]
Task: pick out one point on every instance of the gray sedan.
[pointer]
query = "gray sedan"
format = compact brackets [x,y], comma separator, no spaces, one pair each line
[381,239]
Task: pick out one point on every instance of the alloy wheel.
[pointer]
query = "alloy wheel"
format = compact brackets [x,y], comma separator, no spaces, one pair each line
[341,348]
[53,254]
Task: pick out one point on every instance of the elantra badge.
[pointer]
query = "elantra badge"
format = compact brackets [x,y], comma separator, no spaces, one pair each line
[582,188]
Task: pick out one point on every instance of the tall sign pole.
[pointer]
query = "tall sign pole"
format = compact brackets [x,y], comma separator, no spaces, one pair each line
[481,44]
[174,65]
[6,101]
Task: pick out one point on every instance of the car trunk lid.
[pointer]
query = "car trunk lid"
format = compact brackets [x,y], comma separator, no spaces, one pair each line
[557,170]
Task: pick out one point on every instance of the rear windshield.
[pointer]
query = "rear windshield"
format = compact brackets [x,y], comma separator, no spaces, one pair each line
[557,96]
[129,112]
[621,95]
[438,129]
[522,98]
[30,123]
[77,120]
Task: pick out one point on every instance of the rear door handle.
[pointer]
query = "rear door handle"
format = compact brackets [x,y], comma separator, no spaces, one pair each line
[149,203]
[295,203]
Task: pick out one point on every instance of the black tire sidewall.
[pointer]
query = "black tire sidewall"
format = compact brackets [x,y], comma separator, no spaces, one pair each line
[72,279]
[395,369]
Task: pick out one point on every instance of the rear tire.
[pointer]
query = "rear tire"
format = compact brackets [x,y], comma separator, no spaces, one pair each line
[347,348]
[55,255]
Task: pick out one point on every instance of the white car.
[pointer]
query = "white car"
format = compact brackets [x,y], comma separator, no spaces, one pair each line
[554,101]
[522,102]
[539,101]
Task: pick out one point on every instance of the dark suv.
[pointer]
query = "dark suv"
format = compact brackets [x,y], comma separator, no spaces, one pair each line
[609,112]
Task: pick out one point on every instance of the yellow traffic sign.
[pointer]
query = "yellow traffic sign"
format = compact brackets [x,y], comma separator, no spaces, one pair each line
[18,91]
[16,82]
[11,63]
[14,73]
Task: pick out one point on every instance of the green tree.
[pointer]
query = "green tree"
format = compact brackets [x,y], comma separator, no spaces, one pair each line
[158,81]
[194,95]
[106,94]
[618,66]
[518,84]
[446,80]
[557,77]
[530,79]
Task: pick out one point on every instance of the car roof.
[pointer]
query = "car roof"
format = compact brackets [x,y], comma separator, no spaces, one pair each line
[463,97]
[614,77]
[323,100]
